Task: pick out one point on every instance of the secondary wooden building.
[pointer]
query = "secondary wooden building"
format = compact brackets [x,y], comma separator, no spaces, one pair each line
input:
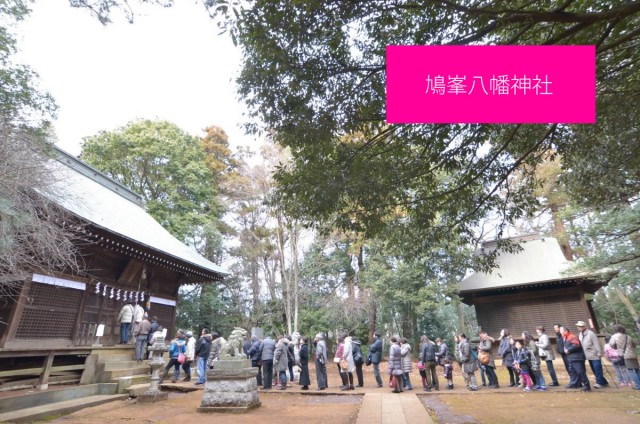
[126,255]
[530,288]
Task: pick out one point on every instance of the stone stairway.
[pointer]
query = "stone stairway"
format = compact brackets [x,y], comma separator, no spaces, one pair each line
[116,365]
[49,404]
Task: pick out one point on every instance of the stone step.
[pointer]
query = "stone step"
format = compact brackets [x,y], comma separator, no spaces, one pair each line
[124,372]
[137,389]
[11,402]
[125,382]
[51,410]
[120,365]
[116,356]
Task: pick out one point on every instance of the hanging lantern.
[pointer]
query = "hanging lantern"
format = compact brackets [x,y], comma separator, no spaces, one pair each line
[98,287]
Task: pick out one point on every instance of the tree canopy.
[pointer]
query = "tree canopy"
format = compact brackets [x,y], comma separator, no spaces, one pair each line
[31,235]
[314,72]
[167,166]
[313,76]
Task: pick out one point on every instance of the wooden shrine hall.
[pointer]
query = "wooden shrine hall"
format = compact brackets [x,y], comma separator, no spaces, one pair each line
[126,255]
[530,288]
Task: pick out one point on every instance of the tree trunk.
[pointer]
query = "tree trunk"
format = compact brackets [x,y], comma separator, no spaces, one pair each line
[372,306]
[255,287]
[270,270]
[560,232]
[286,283]
[295,233]
[350,278]
[625,300]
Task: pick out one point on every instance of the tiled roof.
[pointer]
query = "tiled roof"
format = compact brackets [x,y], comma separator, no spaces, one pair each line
[540,260]
[91,195]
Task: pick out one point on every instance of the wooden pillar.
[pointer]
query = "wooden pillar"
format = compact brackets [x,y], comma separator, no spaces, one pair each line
[592,316]
[43,383]
[16,313]
[77,339]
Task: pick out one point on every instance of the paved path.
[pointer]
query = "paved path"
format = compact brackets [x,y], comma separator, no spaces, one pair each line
[392,408]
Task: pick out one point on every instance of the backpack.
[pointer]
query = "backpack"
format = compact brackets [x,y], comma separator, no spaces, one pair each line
[290,358]
[474,353]
[429,352]
[357,354]
[533,360]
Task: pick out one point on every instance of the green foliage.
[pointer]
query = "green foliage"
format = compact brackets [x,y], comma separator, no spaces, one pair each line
[22,104]
[313,72]
[611,311]
[167,166]
[411,296]
[610,241]
[413,293]
[104,9]
[210,306]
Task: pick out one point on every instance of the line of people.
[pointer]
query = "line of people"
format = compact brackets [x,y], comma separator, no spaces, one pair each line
[523,358]
[274,358]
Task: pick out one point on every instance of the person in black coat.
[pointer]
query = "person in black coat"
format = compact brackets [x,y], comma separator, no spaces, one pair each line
[203,348]
[255,354]
[246,347]
[305,380]
[560,348]
[357,359]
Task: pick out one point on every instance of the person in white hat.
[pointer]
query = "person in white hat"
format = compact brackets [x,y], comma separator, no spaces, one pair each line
[189,355]
[593,353]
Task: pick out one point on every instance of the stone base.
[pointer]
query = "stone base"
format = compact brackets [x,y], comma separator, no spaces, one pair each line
[229,409]
[231,387]
[149,397]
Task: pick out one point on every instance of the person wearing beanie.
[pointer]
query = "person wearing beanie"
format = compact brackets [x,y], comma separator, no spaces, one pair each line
[189,355]
[321,361]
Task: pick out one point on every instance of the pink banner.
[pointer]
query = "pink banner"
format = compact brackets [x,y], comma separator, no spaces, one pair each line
[491,84]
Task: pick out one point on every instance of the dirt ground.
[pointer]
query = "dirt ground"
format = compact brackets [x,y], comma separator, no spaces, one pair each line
[607,406]
[615,405]
[504,405]
[276,408]
[537,408]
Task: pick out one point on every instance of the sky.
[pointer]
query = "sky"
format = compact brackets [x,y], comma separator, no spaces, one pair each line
[169,64]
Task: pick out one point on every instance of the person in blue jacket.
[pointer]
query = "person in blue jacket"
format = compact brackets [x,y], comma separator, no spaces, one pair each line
[178,346]
[375,350]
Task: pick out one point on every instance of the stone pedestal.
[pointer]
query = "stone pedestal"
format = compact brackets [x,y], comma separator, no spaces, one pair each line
[231,387]
[157,363]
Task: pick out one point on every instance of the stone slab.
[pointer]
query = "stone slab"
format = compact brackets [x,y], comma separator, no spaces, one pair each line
[231,364]
[148,397]
[239,373]
[231,387]
[229,409]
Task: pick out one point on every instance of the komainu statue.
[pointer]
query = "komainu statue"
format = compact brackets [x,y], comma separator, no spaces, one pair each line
[233,345]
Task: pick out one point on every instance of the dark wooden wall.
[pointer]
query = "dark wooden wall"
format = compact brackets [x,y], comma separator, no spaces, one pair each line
[525,311]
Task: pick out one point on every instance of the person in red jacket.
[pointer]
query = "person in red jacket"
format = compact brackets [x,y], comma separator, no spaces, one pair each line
[575,355]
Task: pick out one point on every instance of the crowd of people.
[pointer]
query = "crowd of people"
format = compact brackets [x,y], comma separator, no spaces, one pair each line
[523,357]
